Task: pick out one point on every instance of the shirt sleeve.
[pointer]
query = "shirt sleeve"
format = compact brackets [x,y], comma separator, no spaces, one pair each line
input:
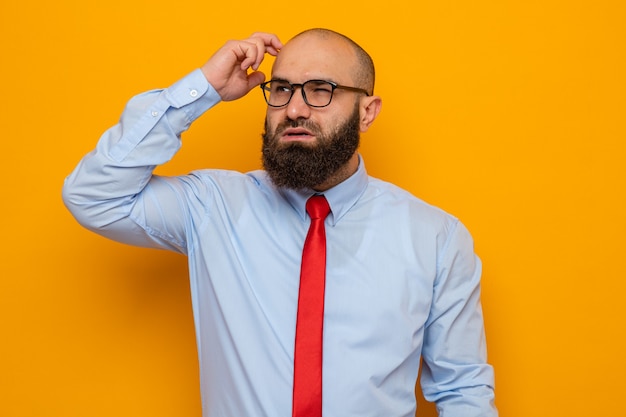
[455,372]
[112,189]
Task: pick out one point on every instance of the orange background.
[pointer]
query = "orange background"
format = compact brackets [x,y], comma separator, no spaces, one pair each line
[508,114]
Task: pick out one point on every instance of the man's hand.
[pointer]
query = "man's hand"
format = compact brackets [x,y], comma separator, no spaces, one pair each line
[227,69]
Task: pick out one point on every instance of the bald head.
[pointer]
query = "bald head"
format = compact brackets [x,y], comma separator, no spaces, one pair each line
[362,68]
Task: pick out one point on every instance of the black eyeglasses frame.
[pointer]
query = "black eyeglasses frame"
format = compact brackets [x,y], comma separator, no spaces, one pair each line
[293,86]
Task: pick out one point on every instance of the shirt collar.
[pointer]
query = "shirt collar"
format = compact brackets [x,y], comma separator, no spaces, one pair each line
[341,197]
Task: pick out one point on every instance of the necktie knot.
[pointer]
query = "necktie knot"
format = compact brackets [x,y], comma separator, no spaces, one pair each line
[317,207]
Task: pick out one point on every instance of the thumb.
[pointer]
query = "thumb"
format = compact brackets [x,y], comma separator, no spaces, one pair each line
[255,78]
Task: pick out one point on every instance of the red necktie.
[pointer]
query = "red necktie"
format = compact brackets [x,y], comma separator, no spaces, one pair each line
[307,379]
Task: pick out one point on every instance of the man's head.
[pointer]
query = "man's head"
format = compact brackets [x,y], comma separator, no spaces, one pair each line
[316,147]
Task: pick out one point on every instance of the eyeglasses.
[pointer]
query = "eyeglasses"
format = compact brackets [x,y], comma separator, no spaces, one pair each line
[316,93]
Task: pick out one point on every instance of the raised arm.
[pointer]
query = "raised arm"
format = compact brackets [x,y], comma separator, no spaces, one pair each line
[112,190]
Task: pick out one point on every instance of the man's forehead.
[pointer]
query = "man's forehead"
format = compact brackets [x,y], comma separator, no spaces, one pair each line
[315,57]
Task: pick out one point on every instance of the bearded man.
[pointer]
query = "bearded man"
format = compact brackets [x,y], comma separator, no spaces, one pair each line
[316,289]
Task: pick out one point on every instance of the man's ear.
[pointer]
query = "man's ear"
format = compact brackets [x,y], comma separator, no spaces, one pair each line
[368,111]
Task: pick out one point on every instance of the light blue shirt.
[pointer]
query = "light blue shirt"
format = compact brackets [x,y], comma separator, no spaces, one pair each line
[402,279]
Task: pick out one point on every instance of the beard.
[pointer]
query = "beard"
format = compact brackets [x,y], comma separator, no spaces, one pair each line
[302,165]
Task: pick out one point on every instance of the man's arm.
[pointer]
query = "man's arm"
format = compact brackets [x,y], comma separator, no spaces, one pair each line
[105,192]
[112,190]
[455,373]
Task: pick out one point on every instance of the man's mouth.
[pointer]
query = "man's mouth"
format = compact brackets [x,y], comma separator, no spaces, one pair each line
[296,134]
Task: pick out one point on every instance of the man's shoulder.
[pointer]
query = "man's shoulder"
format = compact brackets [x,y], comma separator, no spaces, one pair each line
[225,184]
[398,200]
[231,177]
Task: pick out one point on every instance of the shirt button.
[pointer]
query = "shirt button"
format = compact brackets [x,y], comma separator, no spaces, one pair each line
[154,113]
[193,93]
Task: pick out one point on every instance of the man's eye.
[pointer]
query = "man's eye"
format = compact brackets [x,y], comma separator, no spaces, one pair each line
[319,88]
[280,88]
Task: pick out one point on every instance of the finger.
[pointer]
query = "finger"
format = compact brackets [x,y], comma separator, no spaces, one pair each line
[270,41]
[255,78]
[248,53]
[254,54]
[266,43]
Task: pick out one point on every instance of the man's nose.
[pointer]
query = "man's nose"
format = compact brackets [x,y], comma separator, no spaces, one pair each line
[297,107]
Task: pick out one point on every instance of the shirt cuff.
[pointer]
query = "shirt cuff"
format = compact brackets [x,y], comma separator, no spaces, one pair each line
[184,102]
[193,94]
